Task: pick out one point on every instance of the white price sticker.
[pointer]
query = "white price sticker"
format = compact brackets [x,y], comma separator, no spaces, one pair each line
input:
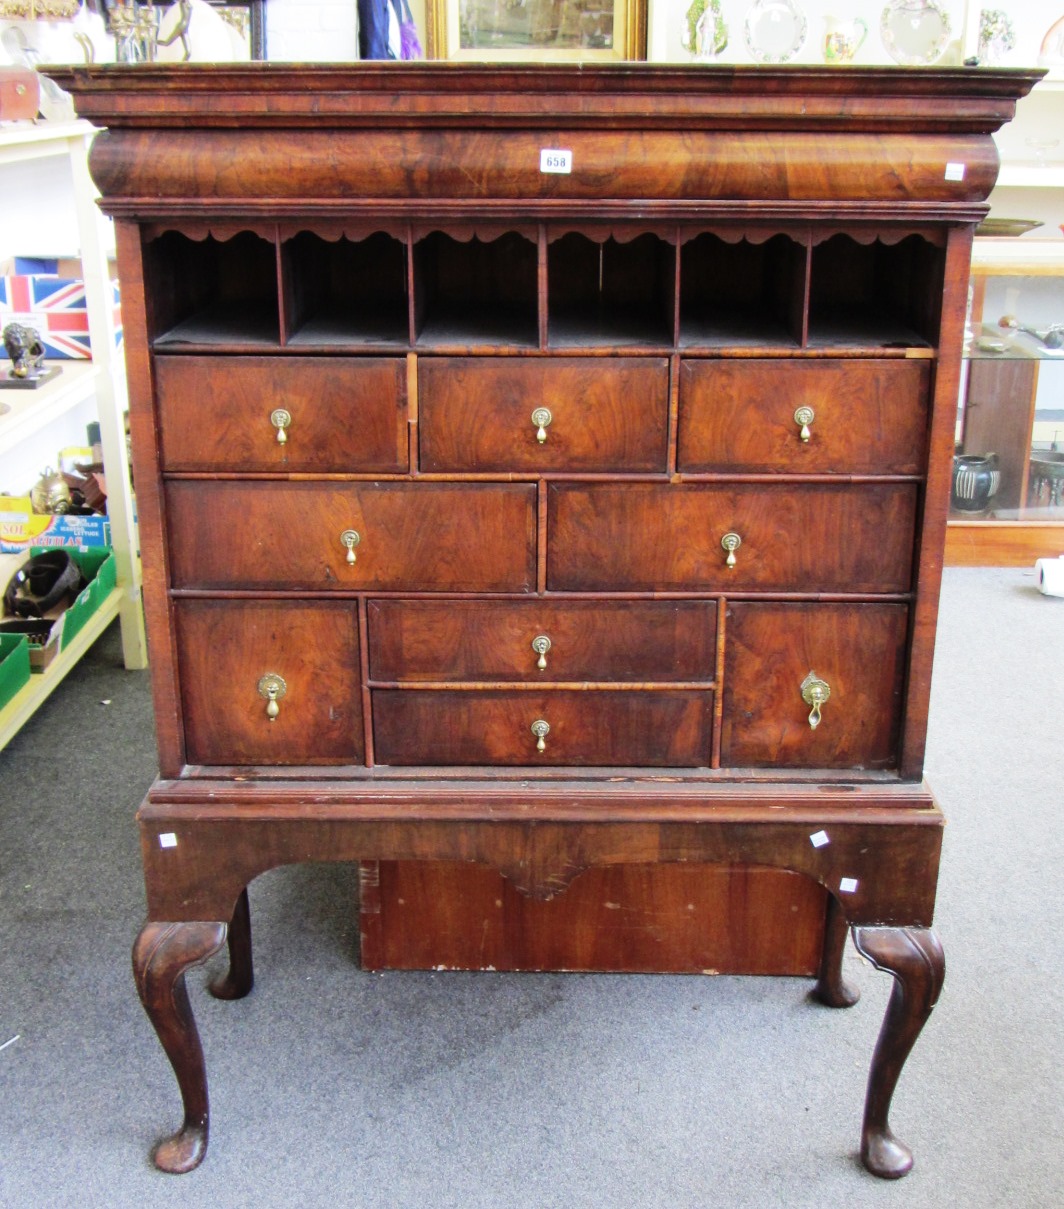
[847,885]
[954,172]
[554,160]
[168,840]
[819,839]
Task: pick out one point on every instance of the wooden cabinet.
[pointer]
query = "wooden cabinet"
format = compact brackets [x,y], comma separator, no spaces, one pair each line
[603,526]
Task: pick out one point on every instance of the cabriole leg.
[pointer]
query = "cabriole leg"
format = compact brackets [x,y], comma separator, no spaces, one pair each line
[161,955]
[238,980]
[914,956]
[831,989]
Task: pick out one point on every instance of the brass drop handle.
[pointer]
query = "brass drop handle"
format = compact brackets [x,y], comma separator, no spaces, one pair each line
[541,730]
[541,645]
[730,542]
[273,688]
[815,692]
[541,417]
[350,539]
[803,417]
[280,419]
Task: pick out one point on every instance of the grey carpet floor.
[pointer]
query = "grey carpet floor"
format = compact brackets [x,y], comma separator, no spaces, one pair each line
[331,1086]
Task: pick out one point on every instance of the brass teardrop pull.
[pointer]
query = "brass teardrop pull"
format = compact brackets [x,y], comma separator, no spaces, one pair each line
[541,645]
[730,542]
[541,730]
[273,688]
[280,419]
[541,417]
[350,539]
[803,417]
[815,692]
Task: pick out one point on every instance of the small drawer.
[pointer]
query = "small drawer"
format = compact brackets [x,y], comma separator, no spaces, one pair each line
[625,641]
[817,537]
[858,651]
[538,414]
[590,728]
[283,413]
[471,537]
[225,649]
[814,416]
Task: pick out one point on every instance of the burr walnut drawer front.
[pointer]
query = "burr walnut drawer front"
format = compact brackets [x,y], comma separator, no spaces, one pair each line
[467,537]
[624,641]
[813,416]
[269,682]
[282,413]
[813,537]
[813,685]
[537,414]
[535,727]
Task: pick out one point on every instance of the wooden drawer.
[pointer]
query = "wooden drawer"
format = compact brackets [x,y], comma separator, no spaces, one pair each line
[596,727]
[429,536]
[869,417]
[224,647]
[347,413]
[483,640]
[858,650]
[795,538]
[475,413]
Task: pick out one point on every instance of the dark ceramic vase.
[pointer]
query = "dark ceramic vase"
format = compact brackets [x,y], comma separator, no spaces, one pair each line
[975,482]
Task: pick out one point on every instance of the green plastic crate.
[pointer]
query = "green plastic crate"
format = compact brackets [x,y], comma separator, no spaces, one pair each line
[97,564]
[14,665]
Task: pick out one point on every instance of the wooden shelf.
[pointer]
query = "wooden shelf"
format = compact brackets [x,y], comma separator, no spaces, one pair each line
[29,411]
[21,707]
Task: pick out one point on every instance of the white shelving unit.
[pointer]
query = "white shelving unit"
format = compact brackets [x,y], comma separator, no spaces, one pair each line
[29,412]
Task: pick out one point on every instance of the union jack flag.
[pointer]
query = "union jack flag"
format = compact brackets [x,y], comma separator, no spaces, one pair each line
[55,307]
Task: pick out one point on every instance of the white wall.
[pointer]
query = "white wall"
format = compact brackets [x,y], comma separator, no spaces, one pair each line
[297,31]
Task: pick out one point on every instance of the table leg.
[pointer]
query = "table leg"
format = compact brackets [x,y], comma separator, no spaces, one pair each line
[831,988]
[161,955]
[238,980]
[914,956]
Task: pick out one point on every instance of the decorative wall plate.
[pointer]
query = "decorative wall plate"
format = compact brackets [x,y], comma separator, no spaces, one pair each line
[1007,226]
[774,30]
[914,31]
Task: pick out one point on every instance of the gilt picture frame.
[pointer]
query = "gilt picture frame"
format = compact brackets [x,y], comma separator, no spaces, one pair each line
[536,31]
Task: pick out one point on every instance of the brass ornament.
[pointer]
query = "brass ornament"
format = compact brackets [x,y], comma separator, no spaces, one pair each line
[541,645]
[815,692]
[541,417]
[730,542]
[803,417]
[280,419]
[273,688]
[541,730]
[350,539]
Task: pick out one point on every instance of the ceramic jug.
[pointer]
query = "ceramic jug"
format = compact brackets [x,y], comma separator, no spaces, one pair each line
[843,38]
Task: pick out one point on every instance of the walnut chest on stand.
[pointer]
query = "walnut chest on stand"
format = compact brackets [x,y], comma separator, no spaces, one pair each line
[545,468]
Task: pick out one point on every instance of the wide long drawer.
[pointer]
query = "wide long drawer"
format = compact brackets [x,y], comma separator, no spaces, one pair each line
[812,537]
[818,416]
[468,537]
[269,682]
[589,728]
[466,640]
[536,414]
[282,413]
[775,654]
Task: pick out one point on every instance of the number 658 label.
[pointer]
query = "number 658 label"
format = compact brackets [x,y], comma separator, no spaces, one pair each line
[553,160]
